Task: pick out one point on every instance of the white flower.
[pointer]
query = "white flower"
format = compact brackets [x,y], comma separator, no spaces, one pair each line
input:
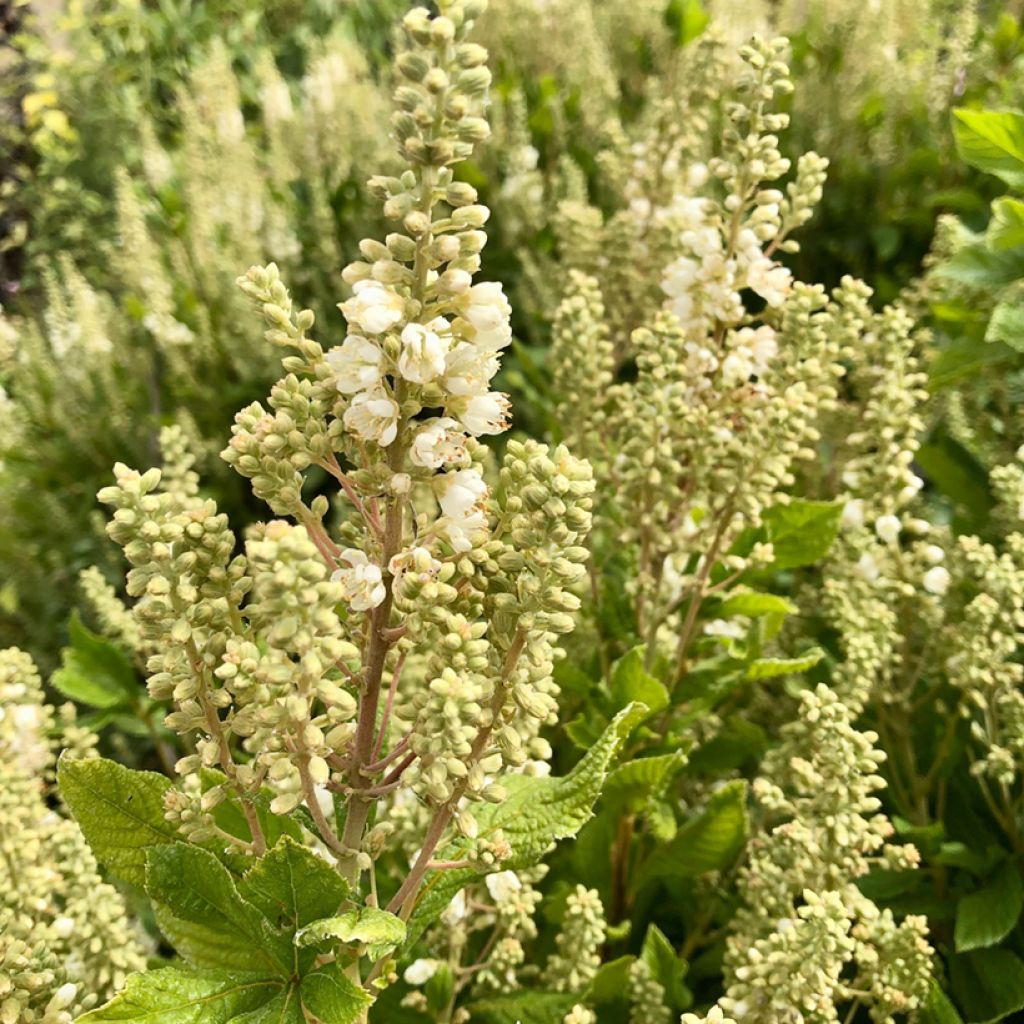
[888,528]
[469,369]
[356,363]
[455,912]
[736,367]
[362,583]
[734,630]
[460,492]
[503,885]
[867,568]
[438,442]
[933,554]
[486,307]
[853,514]
[423,350]
[936,580]
[417,562]
[771,281]
[419,972]
[373,307]
[461,495]
[482,414]
[374,417]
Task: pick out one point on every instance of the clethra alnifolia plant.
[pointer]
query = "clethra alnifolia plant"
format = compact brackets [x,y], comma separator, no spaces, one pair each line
[332,677]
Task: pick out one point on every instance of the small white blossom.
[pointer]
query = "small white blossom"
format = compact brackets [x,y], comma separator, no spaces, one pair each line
[936,580]
[486,307]
[888,528]
[362,582]
[503,885]
[853,514]
[373,307]
[469,369]
[356,363]
[419,972]
[461,497]
[438,442]
[455,912]
[482,414]
[374,417]
[423,350]
[769,280]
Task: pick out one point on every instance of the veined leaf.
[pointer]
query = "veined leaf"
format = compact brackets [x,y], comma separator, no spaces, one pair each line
[172,995]
[95,671]
[635,783]
[666,968]
[709,842]
[1006,324]
[753,604]
[206,946]
[292,886]
[770,668]
[120,812]
[523,1008]
[284,1008]
[536,813]
[631,682]
[801,532]
[333,998]
[196,887]
[1006,229]
[988,915]
[938,1009]
[988,984]
[376,929]
[992,141]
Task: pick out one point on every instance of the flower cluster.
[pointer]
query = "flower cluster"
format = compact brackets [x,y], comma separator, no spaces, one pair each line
[66,942]
[807,942]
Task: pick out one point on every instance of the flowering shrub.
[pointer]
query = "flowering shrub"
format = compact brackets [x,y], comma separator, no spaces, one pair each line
[695,698]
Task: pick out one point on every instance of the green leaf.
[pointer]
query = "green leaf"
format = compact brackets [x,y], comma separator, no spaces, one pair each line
[802,532]
[1006,229]
[611,983]
[284,1008]
[978,266]
[1006,324]
[633,784]
[770,668]
[631,682]
[172,995]
[992,141]
[988,915]
[536,813]
[938,1009]
[332,997]
[291,886]
[709,842]
[988,984]
[666,968]
[95,671]
[120,812]
[376,929]
[195,887]
[689,19]
[754,605]
[523,1008]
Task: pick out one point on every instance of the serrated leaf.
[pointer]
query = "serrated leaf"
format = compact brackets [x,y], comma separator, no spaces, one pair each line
[771,668]
[292,886]
[376,929]
[666,968]
[988,915]
[194,886]
[992,141]
[709,842]
[1006,325]
[205,946]
[634,784]
[1006,228]
[523,1008]
[631,682]
[120,812]
[333,998]
[172,995]
[95,671]
[988,984]
[284,1008]
[801,532]
[536,813]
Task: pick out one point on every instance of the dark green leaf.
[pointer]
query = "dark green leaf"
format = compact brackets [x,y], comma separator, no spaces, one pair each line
[95,671]
[631,682]
[666,968]
[988,915]
[802,532]
[332,997]
[988,984]
[523,1008]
